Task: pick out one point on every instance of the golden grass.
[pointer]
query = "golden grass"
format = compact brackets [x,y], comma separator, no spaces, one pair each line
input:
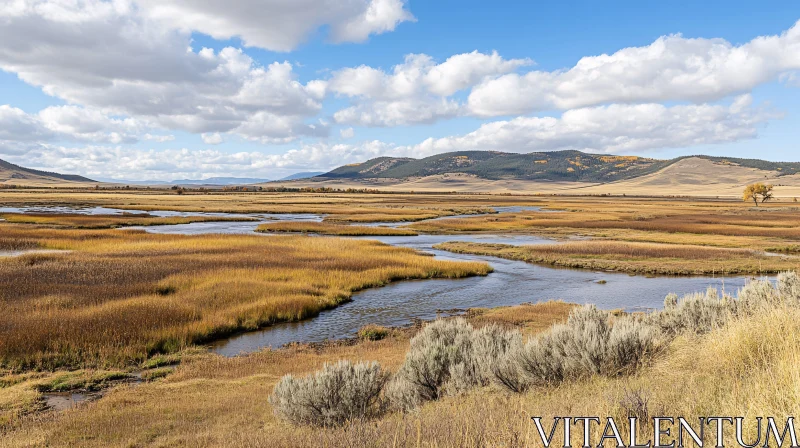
[224,396]
[81,221]
[325,228]
[336,206]
[740,369]
[639,258]
[120,296]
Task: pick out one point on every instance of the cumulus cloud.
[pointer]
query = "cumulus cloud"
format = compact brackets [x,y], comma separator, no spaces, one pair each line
[415,91]
[347,133]
[118,162]
[67,122]
[278,24]
[158,138]
[112,56]
[617,128]
[672,68]
[211,139]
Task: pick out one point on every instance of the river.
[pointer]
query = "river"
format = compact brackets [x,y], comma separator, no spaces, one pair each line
[400,303]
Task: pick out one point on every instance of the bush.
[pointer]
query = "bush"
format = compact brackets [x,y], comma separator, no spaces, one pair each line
[629,344]
[789,287]
[336,394]
[440,358]
[490,345]
[372,333]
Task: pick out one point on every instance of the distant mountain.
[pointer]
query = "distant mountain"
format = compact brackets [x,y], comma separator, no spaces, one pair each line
[304,175]
[220,181]
[15,174]
[564,166]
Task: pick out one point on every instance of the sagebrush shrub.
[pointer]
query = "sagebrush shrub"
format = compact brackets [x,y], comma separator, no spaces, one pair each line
[335,394]
[629,343]
[789,287]
[440,357]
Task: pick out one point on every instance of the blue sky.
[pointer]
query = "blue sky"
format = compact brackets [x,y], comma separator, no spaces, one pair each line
[139,106]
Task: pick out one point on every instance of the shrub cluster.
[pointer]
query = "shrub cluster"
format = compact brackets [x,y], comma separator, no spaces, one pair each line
[451,356]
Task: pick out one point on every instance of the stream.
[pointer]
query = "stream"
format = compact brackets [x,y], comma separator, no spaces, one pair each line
[400,303]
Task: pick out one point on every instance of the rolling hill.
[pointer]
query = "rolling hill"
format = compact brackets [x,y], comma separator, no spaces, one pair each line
[563,172]
[557,166]
[16,175]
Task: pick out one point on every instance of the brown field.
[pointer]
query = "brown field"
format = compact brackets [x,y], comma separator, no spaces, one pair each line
[345,207]
[119,297]
[224,395]
[214,401]
[79,221]
[326,228]
[636,258]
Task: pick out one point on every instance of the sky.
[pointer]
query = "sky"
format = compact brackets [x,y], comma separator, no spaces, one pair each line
[177,89]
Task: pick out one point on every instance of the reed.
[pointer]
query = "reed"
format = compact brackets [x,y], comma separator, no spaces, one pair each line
[120,297]
[81,221]
[325,228]
[638,258]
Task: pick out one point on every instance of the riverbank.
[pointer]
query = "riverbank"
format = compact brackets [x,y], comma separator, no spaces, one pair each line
[227,397]
[120,297]
[636,258]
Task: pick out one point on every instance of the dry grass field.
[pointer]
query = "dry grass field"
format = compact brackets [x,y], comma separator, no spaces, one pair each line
[326,228]
[120,296]
[79,221]
[118,301]
[636,258]
[214,401]
[345,207]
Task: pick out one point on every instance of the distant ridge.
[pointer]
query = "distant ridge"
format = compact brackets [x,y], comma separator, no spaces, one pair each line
[219,181]
[557,166]
[303,175]
[9,173]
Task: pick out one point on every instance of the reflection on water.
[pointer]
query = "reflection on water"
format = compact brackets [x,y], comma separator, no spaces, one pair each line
[511,283]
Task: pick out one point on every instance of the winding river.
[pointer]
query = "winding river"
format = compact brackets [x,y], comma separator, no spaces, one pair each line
[400,303]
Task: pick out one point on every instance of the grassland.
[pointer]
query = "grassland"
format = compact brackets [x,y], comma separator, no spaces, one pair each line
[82,221]
[226,397]
[635,258]
[120,296]
[736,370]
[341,207]
[325,228]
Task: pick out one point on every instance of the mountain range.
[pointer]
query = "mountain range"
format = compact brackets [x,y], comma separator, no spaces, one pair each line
[558,166]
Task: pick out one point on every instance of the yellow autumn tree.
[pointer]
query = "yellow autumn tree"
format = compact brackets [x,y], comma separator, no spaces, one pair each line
[754,192]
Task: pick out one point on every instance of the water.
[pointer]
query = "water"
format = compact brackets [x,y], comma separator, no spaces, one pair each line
[511,283]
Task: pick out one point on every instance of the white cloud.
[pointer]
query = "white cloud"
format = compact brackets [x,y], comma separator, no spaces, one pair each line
[672,68]
[67,122]
[158,138]
[118,162]
[16,125]
[347,133]
[111,56]
[278,24]
[617,128]
[416,91]
[211,139]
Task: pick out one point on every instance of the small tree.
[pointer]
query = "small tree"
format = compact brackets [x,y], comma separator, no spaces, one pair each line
[754,192]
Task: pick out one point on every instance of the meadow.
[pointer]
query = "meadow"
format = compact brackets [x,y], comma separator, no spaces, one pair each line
[119,297]
[636,258]
[327,228]
[127,312]
[82,221]
[743,370]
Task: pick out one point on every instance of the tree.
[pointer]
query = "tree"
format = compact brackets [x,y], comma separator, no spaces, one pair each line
[758,191]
